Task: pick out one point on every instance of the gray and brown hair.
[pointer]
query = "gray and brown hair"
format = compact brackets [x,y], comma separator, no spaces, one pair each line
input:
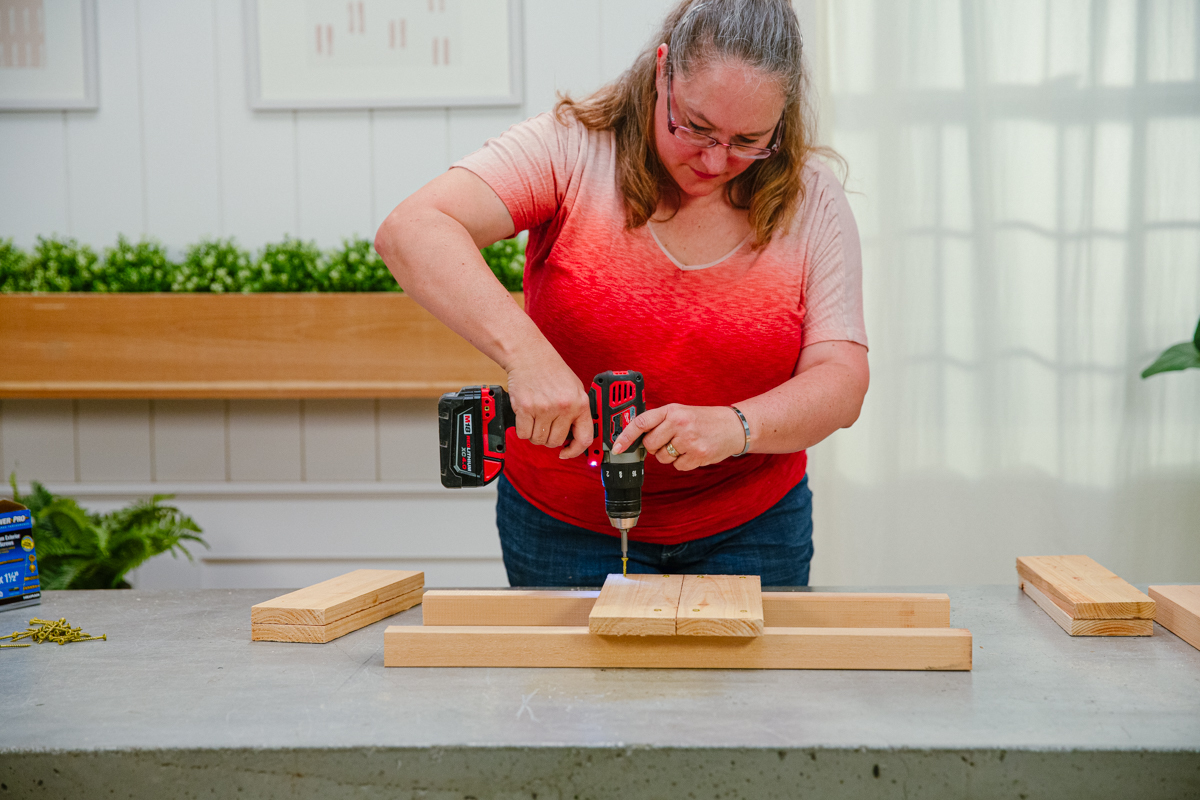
[762,34]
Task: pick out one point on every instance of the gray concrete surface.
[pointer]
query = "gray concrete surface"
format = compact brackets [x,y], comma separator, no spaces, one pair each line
[179,703]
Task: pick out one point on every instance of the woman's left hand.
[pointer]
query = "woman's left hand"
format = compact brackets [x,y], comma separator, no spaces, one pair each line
[701,435]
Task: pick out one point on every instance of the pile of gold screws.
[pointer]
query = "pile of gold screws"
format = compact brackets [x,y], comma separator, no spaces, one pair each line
[45,630]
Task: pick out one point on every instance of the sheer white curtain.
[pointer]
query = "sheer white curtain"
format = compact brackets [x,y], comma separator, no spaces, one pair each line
[1026,178]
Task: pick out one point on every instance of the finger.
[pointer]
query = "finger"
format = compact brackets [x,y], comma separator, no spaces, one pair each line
[524,425]
[664,457]
[582,428]
[686,462]
[641,423]
[559,429]
[541,431]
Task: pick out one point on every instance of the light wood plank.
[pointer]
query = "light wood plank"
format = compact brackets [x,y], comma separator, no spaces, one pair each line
[720,605]
[636,605]
[1084,589]
[331,600]
[1179,611]
[855,610]
[232,346]
[320,634]
[780,609]
[520,607]
[777,648]
[1088,627]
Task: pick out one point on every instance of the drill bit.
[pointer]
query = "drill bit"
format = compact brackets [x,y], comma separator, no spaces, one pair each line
[624,552]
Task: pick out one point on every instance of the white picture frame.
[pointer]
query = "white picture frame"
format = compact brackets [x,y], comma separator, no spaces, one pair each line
[48,58]
[405,53]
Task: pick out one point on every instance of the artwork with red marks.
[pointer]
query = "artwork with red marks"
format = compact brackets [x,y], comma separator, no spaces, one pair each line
[377,33]
[22,34]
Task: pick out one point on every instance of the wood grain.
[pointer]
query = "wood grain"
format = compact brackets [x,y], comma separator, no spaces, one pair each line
[1087,627]
[777,648]
[307,345]
[320,634]
[331,600]
[1084,589]
[636,605]
[720,605]
[780,609]
[1179,611]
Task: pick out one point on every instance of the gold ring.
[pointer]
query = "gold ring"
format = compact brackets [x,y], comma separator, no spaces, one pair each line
[670,448]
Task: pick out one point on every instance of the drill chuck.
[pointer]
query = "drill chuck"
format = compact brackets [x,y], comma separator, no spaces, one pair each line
[622,476]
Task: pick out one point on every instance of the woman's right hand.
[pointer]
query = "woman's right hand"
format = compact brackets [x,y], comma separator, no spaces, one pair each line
[549,401]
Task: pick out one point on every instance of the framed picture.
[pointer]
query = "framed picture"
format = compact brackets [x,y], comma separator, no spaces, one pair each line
[383,53]
[48,54]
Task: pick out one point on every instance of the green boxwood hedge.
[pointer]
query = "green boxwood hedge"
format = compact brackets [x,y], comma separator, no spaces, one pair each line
[61,264]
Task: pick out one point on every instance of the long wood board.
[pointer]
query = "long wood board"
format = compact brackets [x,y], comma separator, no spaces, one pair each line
[777,648]
[1179,611]
[780,609]
[720,605]
[1084,589]
[321,634]
[331,600]
[1087,627]
[636,605]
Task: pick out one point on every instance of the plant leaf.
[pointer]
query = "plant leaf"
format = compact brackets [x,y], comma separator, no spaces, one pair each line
[1184,355]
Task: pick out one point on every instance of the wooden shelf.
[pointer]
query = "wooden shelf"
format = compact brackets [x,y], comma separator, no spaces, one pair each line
[231,346]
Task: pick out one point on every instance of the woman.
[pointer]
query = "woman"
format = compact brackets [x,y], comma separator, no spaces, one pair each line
[680,226]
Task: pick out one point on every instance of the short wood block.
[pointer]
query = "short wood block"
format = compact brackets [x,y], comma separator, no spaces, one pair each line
[1088,627]
[331,600]
[1084,589]
[720,605]
[1179,611]
[777,648]
[636,605]
[320,634]
[780,609]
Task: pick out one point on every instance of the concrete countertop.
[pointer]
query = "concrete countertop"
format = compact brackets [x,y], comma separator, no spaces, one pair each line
[178,697]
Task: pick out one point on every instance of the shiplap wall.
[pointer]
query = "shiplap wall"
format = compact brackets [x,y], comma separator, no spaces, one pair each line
[288,492]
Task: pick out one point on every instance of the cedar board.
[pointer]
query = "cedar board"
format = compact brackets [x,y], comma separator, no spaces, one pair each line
[524,607]
[1179,611]
[1087,627]
[636,605]
[777,648]
[1084,589]
[328,601]
[720,605]
[321,634]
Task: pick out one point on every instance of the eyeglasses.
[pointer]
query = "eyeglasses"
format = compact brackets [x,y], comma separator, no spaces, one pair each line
[697,139]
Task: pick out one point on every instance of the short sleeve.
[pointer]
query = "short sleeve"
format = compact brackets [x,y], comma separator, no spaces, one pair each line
[530,167]
[833,293]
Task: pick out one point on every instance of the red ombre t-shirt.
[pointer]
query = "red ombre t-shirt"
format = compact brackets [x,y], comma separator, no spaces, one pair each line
[715,334]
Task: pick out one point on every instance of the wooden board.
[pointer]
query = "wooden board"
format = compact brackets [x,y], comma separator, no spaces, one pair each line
[1084,589]
[331,600]
[320,634]
[636,605]
[855,610]
[777,648]
[305,345]
[1088,627]
[1179,611]
[780,609]
[720,605]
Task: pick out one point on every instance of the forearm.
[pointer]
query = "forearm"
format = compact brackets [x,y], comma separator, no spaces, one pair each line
[436,261]
[807,408]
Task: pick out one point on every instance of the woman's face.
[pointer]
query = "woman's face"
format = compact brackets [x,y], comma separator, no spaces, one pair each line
[728,101]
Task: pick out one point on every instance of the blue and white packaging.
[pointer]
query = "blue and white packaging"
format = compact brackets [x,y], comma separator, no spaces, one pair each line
[19,582]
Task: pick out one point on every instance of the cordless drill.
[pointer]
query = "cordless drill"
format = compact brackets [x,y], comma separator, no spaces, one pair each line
[473,421]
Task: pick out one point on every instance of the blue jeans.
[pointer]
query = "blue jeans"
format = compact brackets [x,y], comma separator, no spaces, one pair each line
[539,550]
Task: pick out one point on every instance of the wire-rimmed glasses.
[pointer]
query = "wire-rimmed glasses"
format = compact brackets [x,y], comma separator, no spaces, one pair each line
[697,139]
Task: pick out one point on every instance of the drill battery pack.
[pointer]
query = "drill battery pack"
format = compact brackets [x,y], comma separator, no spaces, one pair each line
[19,582]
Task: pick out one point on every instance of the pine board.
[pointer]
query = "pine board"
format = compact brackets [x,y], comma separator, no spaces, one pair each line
[320,634]
[780,609]
[331,600]
[1087,627]
[636,605]
[777,648]
[1179,611]
[720,605]
[1084,589]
